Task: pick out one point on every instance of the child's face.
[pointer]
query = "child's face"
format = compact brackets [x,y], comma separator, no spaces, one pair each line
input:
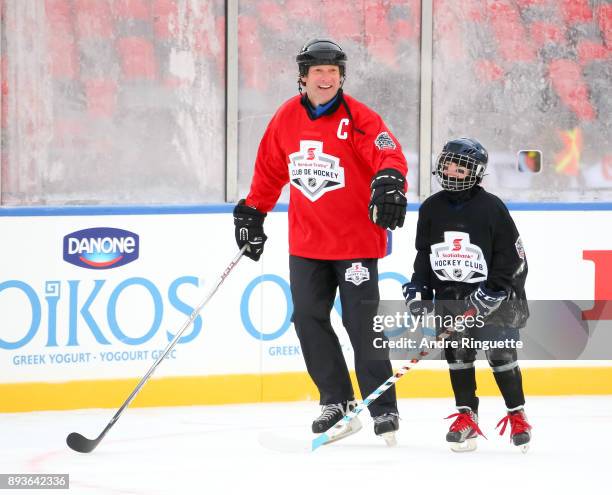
[453,169]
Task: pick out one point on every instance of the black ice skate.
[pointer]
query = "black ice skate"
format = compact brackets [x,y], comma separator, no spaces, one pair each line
[463,432]
[520,429]
[332,413]
[385,426]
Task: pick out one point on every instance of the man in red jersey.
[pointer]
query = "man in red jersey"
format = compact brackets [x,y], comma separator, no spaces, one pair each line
[347,176]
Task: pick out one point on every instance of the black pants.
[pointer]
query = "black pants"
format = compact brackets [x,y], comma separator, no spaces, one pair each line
[313,290]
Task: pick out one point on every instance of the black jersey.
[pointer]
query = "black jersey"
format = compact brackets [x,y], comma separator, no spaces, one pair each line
[467,238]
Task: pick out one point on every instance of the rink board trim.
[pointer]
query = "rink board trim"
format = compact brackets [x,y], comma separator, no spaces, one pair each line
[100,210]
[278,387]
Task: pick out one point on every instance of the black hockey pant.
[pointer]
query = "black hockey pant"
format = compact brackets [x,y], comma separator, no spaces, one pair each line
[313,290]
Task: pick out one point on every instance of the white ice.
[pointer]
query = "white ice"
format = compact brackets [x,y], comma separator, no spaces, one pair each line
[218,450]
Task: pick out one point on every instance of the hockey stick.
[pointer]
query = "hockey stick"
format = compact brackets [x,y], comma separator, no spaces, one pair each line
[339,429]
[78,442]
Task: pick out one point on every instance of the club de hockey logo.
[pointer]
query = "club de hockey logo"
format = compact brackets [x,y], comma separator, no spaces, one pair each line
[101,248]
[357,274]
[313,172]
[457,260]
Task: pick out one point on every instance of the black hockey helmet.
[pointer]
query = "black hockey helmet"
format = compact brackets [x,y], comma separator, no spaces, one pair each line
[465,152]
[321,52]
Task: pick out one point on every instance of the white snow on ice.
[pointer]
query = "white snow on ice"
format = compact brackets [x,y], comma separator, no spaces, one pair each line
[219,450]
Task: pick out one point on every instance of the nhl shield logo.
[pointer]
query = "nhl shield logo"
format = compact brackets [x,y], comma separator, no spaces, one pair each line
[357,274]
[457,272]
[313,172]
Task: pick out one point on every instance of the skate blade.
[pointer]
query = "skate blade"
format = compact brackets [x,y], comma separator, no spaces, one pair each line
[389,438]
[468,445]
[343,431]
[524,448]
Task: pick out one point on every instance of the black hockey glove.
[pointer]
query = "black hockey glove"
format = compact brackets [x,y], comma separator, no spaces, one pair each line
[416,306]
[388,202]
[485,301]
[249,229]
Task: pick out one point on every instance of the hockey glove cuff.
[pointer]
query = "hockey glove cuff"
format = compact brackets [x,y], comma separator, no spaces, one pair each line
[485,301]
[248,222]
[387,206]
[417,306]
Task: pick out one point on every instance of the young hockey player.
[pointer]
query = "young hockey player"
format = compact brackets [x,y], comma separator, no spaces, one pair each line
[468,249]
[347,176]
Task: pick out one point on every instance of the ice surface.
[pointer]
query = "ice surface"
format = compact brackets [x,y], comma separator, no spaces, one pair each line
[217,450]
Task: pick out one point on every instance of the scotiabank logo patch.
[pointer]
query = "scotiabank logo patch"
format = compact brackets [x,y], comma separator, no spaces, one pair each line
[458,260]
[313,172]
[101,248]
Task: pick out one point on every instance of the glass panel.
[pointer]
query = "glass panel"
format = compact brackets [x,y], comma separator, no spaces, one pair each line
[112,101]
[528,75]
[381,39]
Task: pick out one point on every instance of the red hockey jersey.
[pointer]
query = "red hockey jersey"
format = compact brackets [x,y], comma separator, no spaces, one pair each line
[330,162]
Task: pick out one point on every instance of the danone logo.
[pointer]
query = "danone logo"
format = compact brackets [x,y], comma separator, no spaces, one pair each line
[100,248]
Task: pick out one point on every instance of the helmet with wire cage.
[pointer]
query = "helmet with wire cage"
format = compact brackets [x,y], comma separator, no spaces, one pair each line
[469,156]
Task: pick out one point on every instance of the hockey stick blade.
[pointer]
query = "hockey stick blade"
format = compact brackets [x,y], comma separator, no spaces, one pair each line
[299,443]
[78,442]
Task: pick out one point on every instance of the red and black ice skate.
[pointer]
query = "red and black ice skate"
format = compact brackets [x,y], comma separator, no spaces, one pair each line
[463,432]
[520,429]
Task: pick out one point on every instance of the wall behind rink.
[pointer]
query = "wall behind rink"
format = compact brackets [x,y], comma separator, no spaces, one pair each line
[81,336]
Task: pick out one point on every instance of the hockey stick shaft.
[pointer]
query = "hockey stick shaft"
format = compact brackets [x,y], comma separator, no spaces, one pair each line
[340,427]
[81,444]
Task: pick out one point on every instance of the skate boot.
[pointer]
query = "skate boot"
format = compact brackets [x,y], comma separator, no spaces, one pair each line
[520,430]
[332,413]
[385,426]
[463,432]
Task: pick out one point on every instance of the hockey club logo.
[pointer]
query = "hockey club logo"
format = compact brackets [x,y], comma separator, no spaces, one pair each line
[384,141]
[313,172]
[101,248]
[357,274]
[457,260]
[520,250]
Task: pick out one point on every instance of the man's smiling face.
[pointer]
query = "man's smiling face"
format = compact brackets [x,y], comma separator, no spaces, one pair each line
[322,83]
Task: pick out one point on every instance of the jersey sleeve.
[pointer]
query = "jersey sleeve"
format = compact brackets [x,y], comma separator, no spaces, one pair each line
[508,269]
[271,172]
[422,267]
[377,145]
